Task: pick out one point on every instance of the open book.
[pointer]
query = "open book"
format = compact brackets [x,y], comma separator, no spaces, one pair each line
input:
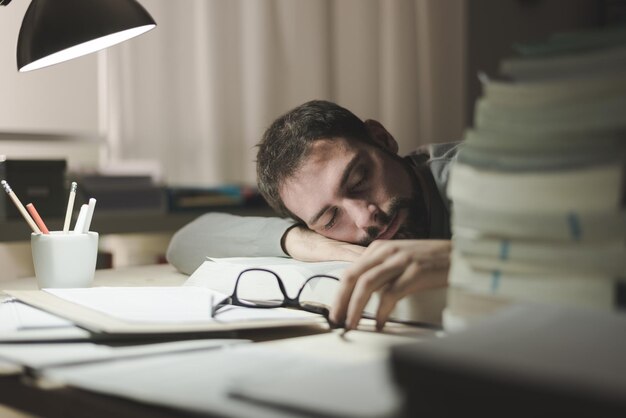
[220,274]
[156,310]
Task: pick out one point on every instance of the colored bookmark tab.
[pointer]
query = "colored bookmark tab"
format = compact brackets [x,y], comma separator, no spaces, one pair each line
[40,223]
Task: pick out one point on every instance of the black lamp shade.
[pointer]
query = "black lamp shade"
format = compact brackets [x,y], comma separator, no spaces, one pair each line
[54,31]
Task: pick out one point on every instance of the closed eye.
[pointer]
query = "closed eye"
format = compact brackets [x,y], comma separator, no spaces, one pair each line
[361,183]
[332,221]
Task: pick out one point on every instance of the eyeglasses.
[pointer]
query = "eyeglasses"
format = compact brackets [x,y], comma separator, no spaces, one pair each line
[261,288]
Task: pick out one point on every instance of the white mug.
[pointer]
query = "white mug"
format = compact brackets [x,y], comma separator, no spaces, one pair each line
[64,259]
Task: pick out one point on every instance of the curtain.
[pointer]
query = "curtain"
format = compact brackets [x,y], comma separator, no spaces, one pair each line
[196,93]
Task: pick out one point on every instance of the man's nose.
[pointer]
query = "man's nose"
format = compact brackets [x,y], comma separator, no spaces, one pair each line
[364,214]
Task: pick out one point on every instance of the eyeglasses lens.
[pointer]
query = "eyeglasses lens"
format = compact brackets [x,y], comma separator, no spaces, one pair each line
[319,292]
[259,288]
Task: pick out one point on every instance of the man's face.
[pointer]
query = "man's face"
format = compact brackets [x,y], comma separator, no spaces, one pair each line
[354,192]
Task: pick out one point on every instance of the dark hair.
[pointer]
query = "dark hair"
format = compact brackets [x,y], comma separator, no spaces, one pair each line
[287,141]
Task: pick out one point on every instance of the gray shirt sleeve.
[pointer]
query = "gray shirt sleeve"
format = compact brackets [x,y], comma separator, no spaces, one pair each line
[225,235]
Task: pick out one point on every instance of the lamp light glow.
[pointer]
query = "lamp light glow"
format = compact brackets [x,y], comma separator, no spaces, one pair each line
[54,31]
[86,48]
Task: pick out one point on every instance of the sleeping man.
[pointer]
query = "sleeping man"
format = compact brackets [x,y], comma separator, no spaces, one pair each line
[344,194]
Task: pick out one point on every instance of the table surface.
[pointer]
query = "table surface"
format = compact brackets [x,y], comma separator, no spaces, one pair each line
[363,344]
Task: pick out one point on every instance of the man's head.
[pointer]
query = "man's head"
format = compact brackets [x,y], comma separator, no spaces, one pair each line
[323,166]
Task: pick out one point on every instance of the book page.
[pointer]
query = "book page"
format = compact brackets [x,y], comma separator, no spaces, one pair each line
[220,274]
[23,323]
[173,305]
[16,316]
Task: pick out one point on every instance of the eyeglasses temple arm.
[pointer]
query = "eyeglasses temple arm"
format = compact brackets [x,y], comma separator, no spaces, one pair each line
[219,305]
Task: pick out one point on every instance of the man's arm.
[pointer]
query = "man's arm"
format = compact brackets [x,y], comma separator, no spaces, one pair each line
[305,245]
[225,235]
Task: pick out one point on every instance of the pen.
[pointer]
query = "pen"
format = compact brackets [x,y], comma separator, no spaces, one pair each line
[80,221]
[90,207]
[70,207]
[20,207]
[40,223]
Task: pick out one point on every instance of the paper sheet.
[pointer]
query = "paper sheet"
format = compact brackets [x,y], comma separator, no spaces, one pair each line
[16,316]
[204,380]
[23,323]
[364,390]
[37,356]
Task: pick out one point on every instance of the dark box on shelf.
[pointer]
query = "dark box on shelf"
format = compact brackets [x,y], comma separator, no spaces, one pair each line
[40,182]
[115,193]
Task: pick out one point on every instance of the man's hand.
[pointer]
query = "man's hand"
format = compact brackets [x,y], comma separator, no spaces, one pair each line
[305,245]
[396,268]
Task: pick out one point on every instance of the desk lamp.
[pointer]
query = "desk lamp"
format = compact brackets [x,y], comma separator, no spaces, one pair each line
[54,31]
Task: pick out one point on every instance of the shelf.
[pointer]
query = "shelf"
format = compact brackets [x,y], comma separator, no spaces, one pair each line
[125,222]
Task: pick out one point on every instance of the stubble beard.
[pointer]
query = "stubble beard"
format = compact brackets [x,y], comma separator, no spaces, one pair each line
[414,227]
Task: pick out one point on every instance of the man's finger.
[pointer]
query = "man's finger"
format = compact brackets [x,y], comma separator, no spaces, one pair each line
[388,301]
[371,281]
[340,304]
[417,277]
[429,255]
[349,279]
[374,255]
[396,291]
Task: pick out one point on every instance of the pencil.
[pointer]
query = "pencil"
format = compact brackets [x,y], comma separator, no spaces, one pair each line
[70,208]
[20,207]
[40,223]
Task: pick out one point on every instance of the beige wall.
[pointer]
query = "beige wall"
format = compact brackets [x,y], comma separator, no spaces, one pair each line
[61,99]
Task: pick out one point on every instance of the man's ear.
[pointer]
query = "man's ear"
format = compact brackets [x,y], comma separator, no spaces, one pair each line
[381,136]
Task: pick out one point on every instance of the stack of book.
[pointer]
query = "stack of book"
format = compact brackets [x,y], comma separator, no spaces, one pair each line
[538,188]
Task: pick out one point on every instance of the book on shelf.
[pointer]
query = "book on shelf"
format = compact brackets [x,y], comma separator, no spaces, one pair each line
[208,198]
[121,192]
[220,274]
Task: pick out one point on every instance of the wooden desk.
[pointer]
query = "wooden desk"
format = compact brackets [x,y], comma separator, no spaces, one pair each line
[68,402]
